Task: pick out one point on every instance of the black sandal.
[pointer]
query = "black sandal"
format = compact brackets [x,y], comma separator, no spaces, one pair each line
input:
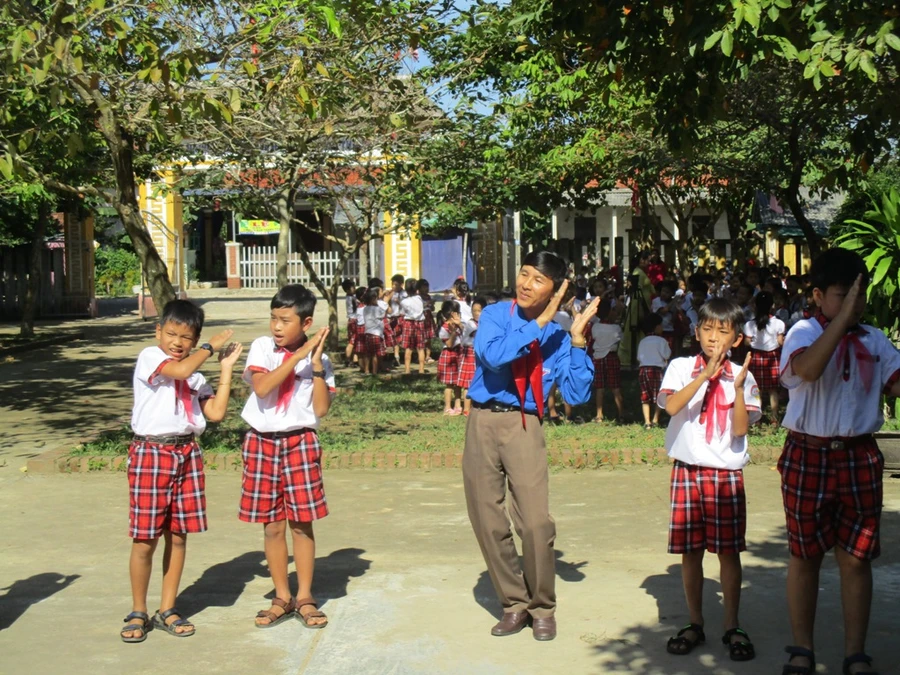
[159,619]
[858,658]
[131,627]
[742,650]
[680,645]
[792,669]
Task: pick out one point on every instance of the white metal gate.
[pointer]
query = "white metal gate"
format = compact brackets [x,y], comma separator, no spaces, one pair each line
[259,265]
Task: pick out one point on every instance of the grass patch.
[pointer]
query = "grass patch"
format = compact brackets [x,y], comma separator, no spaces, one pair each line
[404,414]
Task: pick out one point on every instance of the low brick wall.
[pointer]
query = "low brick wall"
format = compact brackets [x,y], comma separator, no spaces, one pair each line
[59,461]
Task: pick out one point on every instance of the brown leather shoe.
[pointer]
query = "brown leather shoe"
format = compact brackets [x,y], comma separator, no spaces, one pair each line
[544,629]
[511,623]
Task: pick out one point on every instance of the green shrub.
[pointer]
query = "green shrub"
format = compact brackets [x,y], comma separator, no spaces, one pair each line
[116,270]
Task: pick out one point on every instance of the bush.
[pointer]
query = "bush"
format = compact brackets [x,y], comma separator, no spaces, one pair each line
[116,270]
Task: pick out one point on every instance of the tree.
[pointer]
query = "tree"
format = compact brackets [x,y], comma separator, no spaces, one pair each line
[139,73]
[342,137]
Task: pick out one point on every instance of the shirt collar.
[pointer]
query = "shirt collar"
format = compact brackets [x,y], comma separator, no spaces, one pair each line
[824,321]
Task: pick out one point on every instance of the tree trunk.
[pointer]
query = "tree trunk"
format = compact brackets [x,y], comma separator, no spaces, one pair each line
[792,192]
[29,305]
[285,210]
[126,204]
[363,265]
[332,299]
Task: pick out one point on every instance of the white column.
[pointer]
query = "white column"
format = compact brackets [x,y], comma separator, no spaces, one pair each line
[614,227]
[517,241]
[554,225]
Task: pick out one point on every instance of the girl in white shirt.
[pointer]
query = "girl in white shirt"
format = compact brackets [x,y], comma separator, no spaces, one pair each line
[765,335]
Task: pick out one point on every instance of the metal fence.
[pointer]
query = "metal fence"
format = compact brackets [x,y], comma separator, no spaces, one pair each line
[259,265]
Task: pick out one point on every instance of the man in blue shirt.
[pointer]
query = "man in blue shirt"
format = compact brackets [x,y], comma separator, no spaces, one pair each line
[519,353]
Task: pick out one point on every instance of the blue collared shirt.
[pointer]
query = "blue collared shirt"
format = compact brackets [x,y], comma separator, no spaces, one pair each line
[503,336]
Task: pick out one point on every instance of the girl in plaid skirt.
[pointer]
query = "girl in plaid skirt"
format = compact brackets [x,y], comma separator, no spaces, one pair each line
[467,358]
[448,364]
[765,335]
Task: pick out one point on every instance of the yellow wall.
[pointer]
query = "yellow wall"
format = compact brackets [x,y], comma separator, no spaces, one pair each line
[402,251]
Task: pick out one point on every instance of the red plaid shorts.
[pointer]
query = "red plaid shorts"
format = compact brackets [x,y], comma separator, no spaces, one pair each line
[397,327]
[448,366]
[832,496]
[282,478]
[429,325]
[413,335]
[166,486]
[374,345]
[709,510]
[650,378]
[389,340]
[466,367]
[607,372]
[351,331]
[765,369]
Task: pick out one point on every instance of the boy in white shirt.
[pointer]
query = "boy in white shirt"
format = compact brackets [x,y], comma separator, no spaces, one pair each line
[653,355]
[172,402]
[835,370]
[374,314]
[394,297]
[607,367]
[292,385]
[712,403]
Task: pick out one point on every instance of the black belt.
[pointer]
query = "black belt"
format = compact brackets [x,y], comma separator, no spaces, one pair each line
[282,434]
[831,443]
[497,407]
[166,440]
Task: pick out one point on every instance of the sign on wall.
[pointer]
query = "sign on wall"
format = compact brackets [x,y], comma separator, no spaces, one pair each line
[258,227]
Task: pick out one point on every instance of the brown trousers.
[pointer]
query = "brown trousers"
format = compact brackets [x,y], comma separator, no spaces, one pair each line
[498,452]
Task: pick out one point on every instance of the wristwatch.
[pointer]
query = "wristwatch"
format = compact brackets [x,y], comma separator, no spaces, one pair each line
[208,346]
[319,373]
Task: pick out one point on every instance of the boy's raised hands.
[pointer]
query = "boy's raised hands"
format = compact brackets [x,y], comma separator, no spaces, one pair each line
[218,341]
[316,345]
[230,354]
[716,362]
[742,376]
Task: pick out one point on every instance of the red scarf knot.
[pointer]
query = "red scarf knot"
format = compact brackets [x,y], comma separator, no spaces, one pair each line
[714,401]
[852,343]
[286,388]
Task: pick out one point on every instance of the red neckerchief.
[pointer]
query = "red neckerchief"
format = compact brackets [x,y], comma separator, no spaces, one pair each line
[852,342]
[527,370]
[286,388]
[183,396]
[715,396]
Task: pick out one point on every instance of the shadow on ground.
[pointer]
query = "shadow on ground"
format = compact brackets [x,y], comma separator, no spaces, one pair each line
[641,649]
[24,593]
[486,597]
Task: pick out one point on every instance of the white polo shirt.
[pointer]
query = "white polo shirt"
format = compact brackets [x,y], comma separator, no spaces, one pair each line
[465,310]
[360,317]
[261,413]
[668,318]
[686,433]
[765,340]
[413,308]
[158,410]
[374,318]
[607,337]
[444,334]
[396,299]
[654,351]
[467,339]
[837,404]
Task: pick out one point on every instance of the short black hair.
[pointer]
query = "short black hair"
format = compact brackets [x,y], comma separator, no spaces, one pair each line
[371,295]
[549,264]
[837,267]
[410,286]
[481,300]
[421,285]
[603,309]
[650,322]
[347,285]
[448,307]
[183,312]
[375,282]
[722,309]
[361,293]
[297,296]
[397,279]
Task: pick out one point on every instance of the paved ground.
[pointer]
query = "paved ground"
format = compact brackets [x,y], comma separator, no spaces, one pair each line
[402,581]
[58,394]
[398,569]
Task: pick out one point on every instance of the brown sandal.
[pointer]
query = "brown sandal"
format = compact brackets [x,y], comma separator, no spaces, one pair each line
[289,608]
[315,614]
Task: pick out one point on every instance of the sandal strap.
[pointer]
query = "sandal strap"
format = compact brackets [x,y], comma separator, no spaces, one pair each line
[859,657]
[306,601]
[696,627]
[133,627]
[800,651]
[169,612]
[286,605]
[137,615]
[726,639]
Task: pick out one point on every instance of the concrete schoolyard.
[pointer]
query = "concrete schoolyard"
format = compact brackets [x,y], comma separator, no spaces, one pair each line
[398,571]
